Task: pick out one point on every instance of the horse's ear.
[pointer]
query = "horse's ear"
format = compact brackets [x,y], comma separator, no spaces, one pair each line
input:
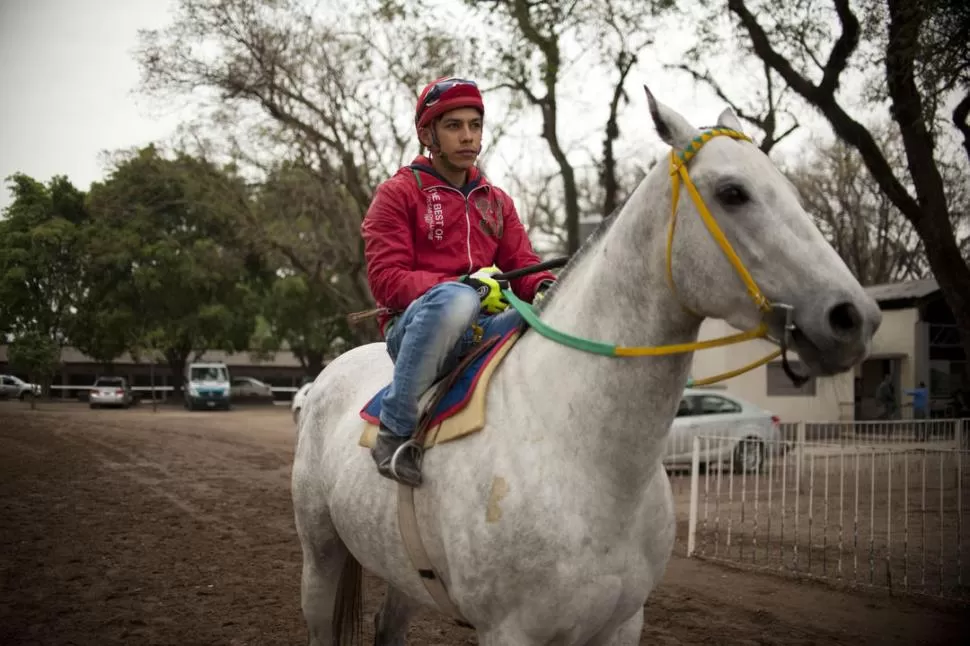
[727,119]
[672,128]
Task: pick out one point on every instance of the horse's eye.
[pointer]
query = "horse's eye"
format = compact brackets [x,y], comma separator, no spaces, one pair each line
[732,195]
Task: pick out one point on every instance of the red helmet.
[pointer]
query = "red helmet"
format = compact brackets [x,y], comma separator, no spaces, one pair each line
[444,94]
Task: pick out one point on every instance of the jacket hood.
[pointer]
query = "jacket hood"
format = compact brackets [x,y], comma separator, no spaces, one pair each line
[427,177]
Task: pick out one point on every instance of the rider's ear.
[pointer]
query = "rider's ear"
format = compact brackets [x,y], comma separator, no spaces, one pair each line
[424,136]
[672,128]
[727,119]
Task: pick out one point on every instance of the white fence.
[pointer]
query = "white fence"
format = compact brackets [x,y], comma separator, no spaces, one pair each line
[160,392]
[879,432]
[881,515]
[916,434]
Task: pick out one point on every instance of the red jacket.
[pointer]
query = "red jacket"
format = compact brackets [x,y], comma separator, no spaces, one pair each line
[420,231]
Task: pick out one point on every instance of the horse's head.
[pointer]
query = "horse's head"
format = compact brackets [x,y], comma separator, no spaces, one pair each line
[780,253]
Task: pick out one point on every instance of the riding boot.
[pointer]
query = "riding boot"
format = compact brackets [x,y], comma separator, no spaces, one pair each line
[405,468]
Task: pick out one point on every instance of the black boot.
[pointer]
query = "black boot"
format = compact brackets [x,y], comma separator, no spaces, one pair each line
[405,467]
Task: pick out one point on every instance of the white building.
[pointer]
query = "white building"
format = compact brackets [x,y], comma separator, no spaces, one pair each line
[917,342]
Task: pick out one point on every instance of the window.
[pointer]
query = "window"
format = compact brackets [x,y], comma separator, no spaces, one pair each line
[110,381]
[714,405]
[208,373]
[779,384]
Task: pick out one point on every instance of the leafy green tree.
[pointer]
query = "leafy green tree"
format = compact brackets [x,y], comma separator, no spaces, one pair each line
[42,269]
[301,225]
[166,241]
[305,320]
[37,355]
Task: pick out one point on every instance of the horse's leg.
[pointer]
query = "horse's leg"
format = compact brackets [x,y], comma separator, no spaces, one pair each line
[323,563]
[392,621]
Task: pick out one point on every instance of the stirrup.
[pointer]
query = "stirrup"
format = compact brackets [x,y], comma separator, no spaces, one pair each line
[409,445]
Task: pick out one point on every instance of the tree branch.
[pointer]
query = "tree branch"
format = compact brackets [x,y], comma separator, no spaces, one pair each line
[907,107]
[823,98]
[960,114]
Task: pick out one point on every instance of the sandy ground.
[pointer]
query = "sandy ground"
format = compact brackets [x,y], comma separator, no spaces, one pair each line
[133,527]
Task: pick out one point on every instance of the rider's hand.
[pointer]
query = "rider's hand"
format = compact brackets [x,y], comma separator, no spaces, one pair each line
[489,290]
[541,291]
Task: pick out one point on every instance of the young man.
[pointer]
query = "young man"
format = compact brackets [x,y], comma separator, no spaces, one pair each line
[433,233]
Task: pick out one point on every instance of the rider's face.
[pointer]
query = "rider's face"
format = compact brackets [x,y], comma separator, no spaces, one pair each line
[460,136]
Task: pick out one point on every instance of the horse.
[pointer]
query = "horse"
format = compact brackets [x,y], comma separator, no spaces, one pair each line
[554,523]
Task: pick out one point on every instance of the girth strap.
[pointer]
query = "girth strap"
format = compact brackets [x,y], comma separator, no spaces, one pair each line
[408,521]
[407,517]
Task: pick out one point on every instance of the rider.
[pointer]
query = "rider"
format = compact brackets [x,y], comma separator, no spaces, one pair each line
[432,235]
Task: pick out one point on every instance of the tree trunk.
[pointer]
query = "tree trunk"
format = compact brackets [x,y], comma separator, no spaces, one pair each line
[929,213]
[176,359]
[952,274]
[313,362]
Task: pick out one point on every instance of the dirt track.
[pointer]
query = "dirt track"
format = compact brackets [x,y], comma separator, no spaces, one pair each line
[121,527]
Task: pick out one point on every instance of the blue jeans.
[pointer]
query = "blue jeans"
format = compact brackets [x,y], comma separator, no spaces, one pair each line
[426,342]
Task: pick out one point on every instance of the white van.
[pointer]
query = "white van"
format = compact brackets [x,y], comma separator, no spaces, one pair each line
[207,385]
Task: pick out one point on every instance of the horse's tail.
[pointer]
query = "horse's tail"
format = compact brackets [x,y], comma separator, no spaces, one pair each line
[348,623]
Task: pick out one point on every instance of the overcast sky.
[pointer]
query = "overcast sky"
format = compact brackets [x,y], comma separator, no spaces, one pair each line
[69,82]
[67,76]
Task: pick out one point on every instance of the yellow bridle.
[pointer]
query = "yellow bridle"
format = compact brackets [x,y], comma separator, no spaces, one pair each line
[678,174]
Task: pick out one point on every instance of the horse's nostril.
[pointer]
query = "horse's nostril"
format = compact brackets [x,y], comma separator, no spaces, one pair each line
[845,317]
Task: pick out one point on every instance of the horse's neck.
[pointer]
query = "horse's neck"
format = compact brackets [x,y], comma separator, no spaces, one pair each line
[615,412]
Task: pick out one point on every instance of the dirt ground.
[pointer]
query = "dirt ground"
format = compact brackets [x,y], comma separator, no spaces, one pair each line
[123,527]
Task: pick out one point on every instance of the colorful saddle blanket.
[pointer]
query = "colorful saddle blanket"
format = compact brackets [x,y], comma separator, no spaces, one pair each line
[462,409]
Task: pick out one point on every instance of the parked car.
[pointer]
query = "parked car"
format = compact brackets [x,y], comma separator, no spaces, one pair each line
[299,399]
[110,391]
[207,385]
[250,389]
[746,433]
[14,387]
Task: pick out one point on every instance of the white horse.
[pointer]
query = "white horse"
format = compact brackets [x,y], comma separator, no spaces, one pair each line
[553,524]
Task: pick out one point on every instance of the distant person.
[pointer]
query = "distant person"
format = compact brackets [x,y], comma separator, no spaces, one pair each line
[921,405]
[921,401]
[886,397]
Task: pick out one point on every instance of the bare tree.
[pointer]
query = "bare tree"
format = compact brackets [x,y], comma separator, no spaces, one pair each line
[765,109]
[535,55]
[877,243]
[330,89]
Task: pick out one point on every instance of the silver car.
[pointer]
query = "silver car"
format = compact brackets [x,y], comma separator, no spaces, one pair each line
[250,389]
[746,434]
[16,388]
[110,391]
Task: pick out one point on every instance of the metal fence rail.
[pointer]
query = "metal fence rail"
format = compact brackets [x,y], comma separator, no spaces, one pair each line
[887,517]
[874,432]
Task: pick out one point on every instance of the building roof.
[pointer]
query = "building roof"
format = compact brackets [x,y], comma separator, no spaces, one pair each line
[904,293]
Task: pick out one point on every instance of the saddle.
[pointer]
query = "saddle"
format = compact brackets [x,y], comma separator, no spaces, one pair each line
[455,405]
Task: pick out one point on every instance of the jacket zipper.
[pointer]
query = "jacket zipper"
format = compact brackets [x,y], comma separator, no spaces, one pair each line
[468,223]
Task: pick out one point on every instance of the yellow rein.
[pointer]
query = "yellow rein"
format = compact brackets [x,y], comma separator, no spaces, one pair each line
[678,174]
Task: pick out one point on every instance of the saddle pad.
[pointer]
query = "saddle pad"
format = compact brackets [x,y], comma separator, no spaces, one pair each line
[461,411]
